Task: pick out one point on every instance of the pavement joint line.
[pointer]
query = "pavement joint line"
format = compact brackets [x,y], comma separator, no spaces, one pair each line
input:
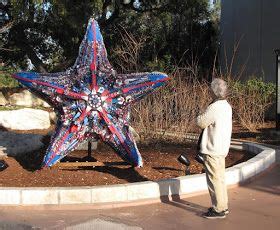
[135,193]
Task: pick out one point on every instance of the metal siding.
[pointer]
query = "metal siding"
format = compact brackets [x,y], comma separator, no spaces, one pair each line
[255,23]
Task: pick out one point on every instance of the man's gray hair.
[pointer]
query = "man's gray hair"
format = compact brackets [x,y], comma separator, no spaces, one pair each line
[219,88]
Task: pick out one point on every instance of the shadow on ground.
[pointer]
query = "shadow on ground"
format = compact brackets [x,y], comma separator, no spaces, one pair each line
[15,226]
[173,187]
[272,185]
[128,174]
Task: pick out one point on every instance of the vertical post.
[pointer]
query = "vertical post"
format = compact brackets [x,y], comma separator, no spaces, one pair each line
[89,156]
[89,150]
[277,52]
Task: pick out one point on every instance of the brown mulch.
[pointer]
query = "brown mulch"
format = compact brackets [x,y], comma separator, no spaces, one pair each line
[160,162]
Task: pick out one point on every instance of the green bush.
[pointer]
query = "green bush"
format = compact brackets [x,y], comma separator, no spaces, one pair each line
[6,81]
[251,99]
[256,85]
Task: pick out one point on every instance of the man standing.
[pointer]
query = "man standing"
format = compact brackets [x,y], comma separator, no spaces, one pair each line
[214,146]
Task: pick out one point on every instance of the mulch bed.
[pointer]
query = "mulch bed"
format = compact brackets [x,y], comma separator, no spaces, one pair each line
[160,162]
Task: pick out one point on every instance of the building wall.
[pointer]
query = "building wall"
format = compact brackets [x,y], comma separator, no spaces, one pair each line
[253,26]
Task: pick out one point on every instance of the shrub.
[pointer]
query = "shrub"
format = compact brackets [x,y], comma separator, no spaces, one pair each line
[173,108]
[250,101]
[6,81]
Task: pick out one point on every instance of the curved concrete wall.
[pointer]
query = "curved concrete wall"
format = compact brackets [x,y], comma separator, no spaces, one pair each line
[141,191]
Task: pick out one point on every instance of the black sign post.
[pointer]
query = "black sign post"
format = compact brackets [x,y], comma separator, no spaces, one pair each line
[277,52]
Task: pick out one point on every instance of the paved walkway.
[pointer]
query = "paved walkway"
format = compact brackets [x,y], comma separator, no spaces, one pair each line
[255,205]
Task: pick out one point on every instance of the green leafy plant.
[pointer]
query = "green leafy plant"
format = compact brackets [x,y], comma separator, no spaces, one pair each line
[6,81]
[250,100]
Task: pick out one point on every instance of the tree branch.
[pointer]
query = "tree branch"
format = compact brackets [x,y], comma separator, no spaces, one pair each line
[24,45]
[118,4]
[5,28]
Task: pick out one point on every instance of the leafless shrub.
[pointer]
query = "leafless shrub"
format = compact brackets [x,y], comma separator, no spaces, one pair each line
[128,52]
[172,109]
[250,98]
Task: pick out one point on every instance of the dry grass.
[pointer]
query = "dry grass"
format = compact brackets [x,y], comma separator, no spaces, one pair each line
[172,109]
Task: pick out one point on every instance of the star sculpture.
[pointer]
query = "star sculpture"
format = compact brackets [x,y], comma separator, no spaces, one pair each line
[91,100]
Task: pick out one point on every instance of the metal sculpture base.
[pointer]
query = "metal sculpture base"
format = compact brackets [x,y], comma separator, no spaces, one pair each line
[78,164]
[88,161]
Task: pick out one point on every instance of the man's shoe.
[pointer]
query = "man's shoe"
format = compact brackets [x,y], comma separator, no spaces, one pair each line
[226,211]
[212,214]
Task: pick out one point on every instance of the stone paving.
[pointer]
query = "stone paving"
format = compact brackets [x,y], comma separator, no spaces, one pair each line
[255,205]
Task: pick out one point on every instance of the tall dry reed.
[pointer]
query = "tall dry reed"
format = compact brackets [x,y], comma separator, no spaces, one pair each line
[172,109]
